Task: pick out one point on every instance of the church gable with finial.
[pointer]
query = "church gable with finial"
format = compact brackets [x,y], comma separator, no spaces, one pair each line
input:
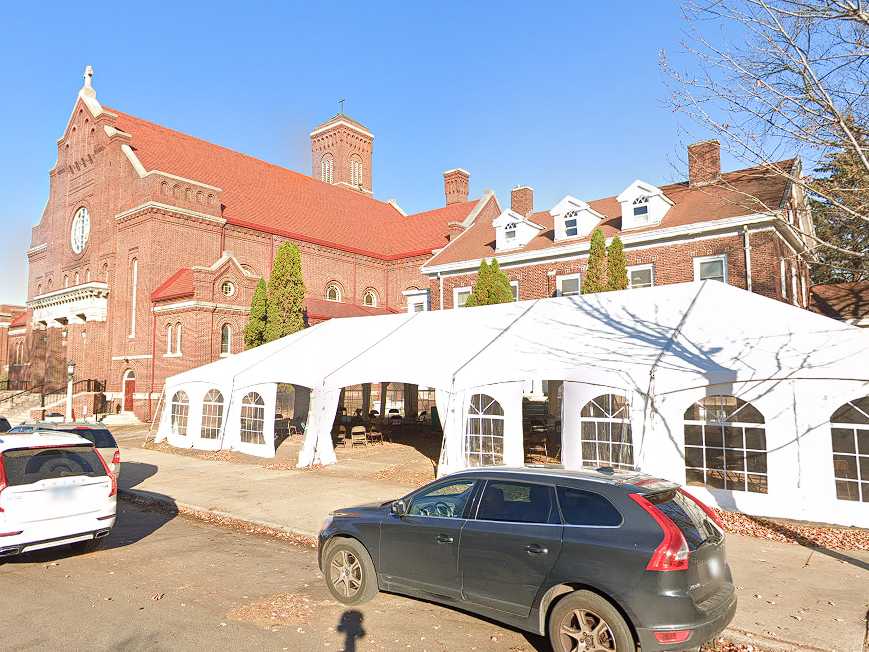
[341,153]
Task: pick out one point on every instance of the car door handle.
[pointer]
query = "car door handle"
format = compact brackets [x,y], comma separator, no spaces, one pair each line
[536,549]
[444,538]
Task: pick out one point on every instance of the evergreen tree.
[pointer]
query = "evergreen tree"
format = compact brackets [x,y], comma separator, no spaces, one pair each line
[286,294]
[480,292]
[502,291]
[255,330]
[595,276]
[847,181]
[616,266]
[492,286]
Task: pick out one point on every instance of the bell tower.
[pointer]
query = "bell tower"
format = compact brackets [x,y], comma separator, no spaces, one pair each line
[341,151]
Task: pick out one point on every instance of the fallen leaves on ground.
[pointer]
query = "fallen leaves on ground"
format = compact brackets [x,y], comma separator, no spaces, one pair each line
[723,645]
[400,475]
[274,611]
[818,536]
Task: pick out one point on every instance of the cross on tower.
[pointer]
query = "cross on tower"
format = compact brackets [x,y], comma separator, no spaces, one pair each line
[88,76]
[341,106]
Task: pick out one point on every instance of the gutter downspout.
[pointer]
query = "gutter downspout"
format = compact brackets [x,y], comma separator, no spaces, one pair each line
[440,291]
[745,235]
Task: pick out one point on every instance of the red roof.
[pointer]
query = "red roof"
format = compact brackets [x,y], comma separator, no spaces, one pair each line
[269,198]
[843,301]
[20,319]
[691,205]
[321,309]
[180,284]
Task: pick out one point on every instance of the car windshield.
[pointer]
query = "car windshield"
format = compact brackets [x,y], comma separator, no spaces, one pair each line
[29,465]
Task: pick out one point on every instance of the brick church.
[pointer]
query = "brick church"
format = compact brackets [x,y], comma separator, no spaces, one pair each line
[146,256]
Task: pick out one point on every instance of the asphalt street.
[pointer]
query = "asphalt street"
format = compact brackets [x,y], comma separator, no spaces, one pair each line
[169,583]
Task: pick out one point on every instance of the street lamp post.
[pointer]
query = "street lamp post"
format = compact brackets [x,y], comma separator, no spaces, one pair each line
[70,373]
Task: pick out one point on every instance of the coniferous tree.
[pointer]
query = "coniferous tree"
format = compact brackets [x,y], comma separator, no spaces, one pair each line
[286,294]
[480,292]
[595,276]
[616,266]
[502,291]
[255,330]
[847,181]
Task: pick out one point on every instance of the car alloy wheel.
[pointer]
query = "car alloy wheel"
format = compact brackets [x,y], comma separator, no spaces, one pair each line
[345,573]
[582,630]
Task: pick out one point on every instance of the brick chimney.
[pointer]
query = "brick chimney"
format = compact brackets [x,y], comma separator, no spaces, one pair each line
[522,200]
[704,162]
[456,185]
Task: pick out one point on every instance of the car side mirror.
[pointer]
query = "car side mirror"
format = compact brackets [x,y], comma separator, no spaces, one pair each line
[399,508]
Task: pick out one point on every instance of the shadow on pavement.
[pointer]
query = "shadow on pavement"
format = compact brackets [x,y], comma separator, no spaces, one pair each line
[781,528]
[351,626]
[134,474]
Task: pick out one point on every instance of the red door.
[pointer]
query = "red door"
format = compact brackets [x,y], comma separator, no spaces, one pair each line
[129,388]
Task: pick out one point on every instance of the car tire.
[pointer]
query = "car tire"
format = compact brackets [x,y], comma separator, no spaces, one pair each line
[583,617]
[90,545]
[349,572]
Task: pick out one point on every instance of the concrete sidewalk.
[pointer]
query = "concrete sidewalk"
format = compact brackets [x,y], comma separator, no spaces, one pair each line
[791,597]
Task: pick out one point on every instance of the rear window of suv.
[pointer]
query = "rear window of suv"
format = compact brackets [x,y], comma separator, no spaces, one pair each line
[99,437]
[688,517]
[29,465]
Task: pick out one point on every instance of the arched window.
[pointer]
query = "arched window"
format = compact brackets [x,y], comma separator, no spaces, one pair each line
[725,445]
[178,338]
[225,339]
[169,339]
[333,292]
[66,280]
[355,172]
[212,414]
[369,298]
[850,430]
[606,432]
[134,288]
[484,432]
[76,279]
[87,275]
[327,168]
[180,408]
[253,414]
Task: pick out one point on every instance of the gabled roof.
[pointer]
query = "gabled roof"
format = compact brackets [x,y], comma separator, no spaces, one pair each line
[844,301]
[180,284]
[691,205]
[270,198]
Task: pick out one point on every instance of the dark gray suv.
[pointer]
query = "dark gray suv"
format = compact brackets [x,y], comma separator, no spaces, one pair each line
[595,560]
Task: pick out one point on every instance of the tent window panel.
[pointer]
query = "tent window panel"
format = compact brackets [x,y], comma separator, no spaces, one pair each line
[733,448]
[212,414]
[484,432]
[253,414]
[605,432]
[180,410]
[353,399]
[850,438]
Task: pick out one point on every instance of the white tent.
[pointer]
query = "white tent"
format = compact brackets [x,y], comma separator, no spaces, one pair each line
[662,349]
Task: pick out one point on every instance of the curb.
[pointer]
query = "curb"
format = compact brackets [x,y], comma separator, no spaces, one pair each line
[166,504]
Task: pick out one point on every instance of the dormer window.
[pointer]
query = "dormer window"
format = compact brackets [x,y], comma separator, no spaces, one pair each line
[570,227]
[513,230]
[642,205]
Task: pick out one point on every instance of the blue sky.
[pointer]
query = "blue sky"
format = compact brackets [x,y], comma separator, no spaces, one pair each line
[566,97]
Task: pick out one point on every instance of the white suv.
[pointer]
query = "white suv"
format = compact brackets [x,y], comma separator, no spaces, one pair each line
[55,489]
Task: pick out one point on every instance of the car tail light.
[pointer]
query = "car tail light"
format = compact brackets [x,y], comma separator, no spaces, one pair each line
[706,508]
[672,553]
[116,460]
[674,636]
[109,472]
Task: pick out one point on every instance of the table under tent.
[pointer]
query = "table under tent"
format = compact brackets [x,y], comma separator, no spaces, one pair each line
[755,404]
